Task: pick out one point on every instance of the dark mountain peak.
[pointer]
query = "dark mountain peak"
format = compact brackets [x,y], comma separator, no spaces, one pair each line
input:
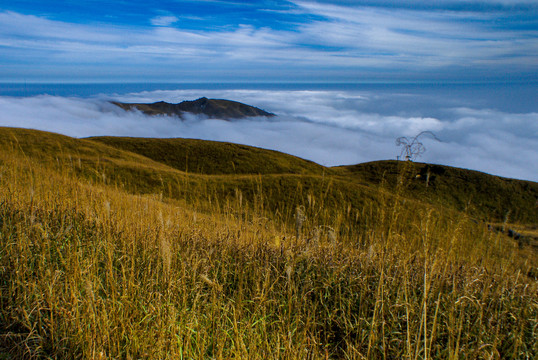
[212,108]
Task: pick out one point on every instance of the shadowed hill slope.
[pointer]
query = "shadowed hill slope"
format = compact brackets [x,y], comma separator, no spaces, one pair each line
[212,108]
[491,197]
[212,157]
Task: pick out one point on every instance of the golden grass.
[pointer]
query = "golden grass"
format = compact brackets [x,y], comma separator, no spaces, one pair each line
[90,271]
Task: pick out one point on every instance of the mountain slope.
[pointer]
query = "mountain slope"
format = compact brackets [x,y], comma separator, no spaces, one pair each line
[223,169]
[105,253]
[211,157]
[212,108]
[487,196]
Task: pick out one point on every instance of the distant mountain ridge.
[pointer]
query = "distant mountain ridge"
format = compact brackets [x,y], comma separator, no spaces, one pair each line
[212,108]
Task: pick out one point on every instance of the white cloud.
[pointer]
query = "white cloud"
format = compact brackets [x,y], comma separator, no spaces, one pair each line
[329,127]
[15,26]
[425,38]
[341,37]
[164,20]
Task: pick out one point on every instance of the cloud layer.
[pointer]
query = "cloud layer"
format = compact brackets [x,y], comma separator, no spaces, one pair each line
[329,127]
[299,40]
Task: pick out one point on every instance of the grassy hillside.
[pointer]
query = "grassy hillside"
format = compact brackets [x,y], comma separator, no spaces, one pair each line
[67,151]
[485,196]
[211,157]
[108,254]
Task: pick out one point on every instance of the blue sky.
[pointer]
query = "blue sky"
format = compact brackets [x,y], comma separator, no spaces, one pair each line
[268,41]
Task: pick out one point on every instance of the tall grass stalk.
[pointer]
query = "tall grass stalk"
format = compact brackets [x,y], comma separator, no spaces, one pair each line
[90,271]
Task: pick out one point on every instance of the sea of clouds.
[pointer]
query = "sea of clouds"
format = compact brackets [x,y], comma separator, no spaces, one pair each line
[331,127]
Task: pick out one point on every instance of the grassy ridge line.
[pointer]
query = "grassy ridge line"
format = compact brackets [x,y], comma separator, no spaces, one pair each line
[488,197]
[328,201]
[325,198]
[47,146]
[483,196]
[271,193]
[212,157]
[274,194]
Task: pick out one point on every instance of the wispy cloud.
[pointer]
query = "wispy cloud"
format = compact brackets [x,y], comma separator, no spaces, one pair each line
[164,20]
[423,37]
[336,40]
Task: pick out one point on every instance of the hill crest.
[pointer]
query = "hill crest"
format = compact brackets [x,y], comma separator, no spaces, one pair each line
[143,163]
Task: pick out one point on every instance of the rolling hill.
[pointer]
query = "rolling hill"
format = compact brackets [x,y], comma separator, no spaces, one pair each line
[169,248]
[488,197]
[211,157]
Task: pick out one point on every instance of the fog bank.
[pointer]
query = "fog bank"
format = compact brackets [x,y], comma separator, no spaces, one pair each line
[329,127]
